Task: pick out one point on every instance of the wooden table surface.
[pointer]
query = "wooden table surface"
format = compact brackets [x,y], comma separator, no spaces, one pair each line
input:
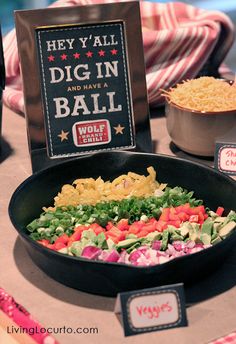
[58,306]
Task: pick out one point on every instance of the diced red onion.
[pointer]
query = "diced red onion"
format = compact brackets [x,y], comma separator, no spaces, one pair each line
[91,252]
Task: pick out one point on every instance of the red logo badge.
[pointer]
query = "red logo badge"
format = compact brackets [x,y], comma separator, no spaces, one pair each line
[90,133]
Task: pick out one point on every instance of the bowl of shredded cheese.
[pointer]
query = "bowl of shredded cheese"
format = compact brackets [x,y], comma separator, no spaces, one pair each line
[199,112]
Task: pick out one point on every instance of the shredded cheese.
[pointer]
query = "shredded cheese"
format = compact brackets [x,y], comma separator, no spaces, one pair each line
[205,94]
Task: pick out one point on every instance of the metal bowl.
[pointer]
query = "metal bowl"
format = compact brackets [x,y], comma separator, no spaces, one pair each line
[110,278]
[196,132]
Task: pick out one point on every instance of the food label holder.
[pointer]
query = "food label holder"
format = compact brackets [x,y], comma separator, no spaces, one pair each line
[152,309]
[83,80]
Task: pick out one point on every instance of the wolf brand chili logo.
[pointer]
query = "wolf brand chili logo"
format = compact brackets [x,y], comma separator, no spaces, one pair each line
[89,133]
[85,88]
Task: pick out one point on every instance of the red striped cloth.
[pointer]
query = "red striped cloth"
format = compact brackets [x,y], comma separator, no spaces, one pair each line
[22,318]
[179,40]
[229,339]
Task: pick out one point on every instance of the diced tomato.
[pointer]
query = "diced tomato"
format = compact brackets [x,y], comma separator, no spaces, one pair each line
[173,211]
[142,234]
[125,233]
[193,218]
[76,236]
[96,228]
[192,211]
[149,227]
[106,235]
[151,220]
[123,224]
[175,223]
[161,225]
[80,228]
[116,237]
[165,214]
[183,216]
[134,228]
[51,246]
[59,245]
[109,225]
[122,236]
[186,207]
[115,234]
[179,209]
[113,238]
[219,211]
[94,225]
[164,226]
[43,242]
[201,209]
[197,210]
[200,217]
[140,224]
[114,230]
[173,217]
[63,238]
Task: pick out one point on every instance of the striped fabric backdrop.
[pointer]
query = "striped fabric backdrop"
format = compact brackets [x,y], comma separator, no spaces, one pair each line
[178,39]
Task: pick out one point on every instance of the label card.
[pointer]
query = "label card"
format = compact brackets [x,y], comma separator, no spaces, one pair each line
[85,87]
[84,81]
[152,309]
[225,157]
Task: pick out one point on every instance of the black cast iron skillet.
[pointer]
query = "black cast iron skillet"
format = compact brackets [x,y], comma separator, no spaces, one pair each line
[105,278]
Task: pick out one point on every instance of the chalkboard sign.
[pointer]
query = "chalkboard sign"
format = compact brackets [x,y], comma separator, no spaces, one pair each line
[85,87]
[84,81]
[225,157]
[152,309]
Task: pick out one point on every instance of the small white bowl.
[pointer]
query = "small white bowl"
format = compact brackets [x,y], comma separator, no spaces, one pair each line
[196,132]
